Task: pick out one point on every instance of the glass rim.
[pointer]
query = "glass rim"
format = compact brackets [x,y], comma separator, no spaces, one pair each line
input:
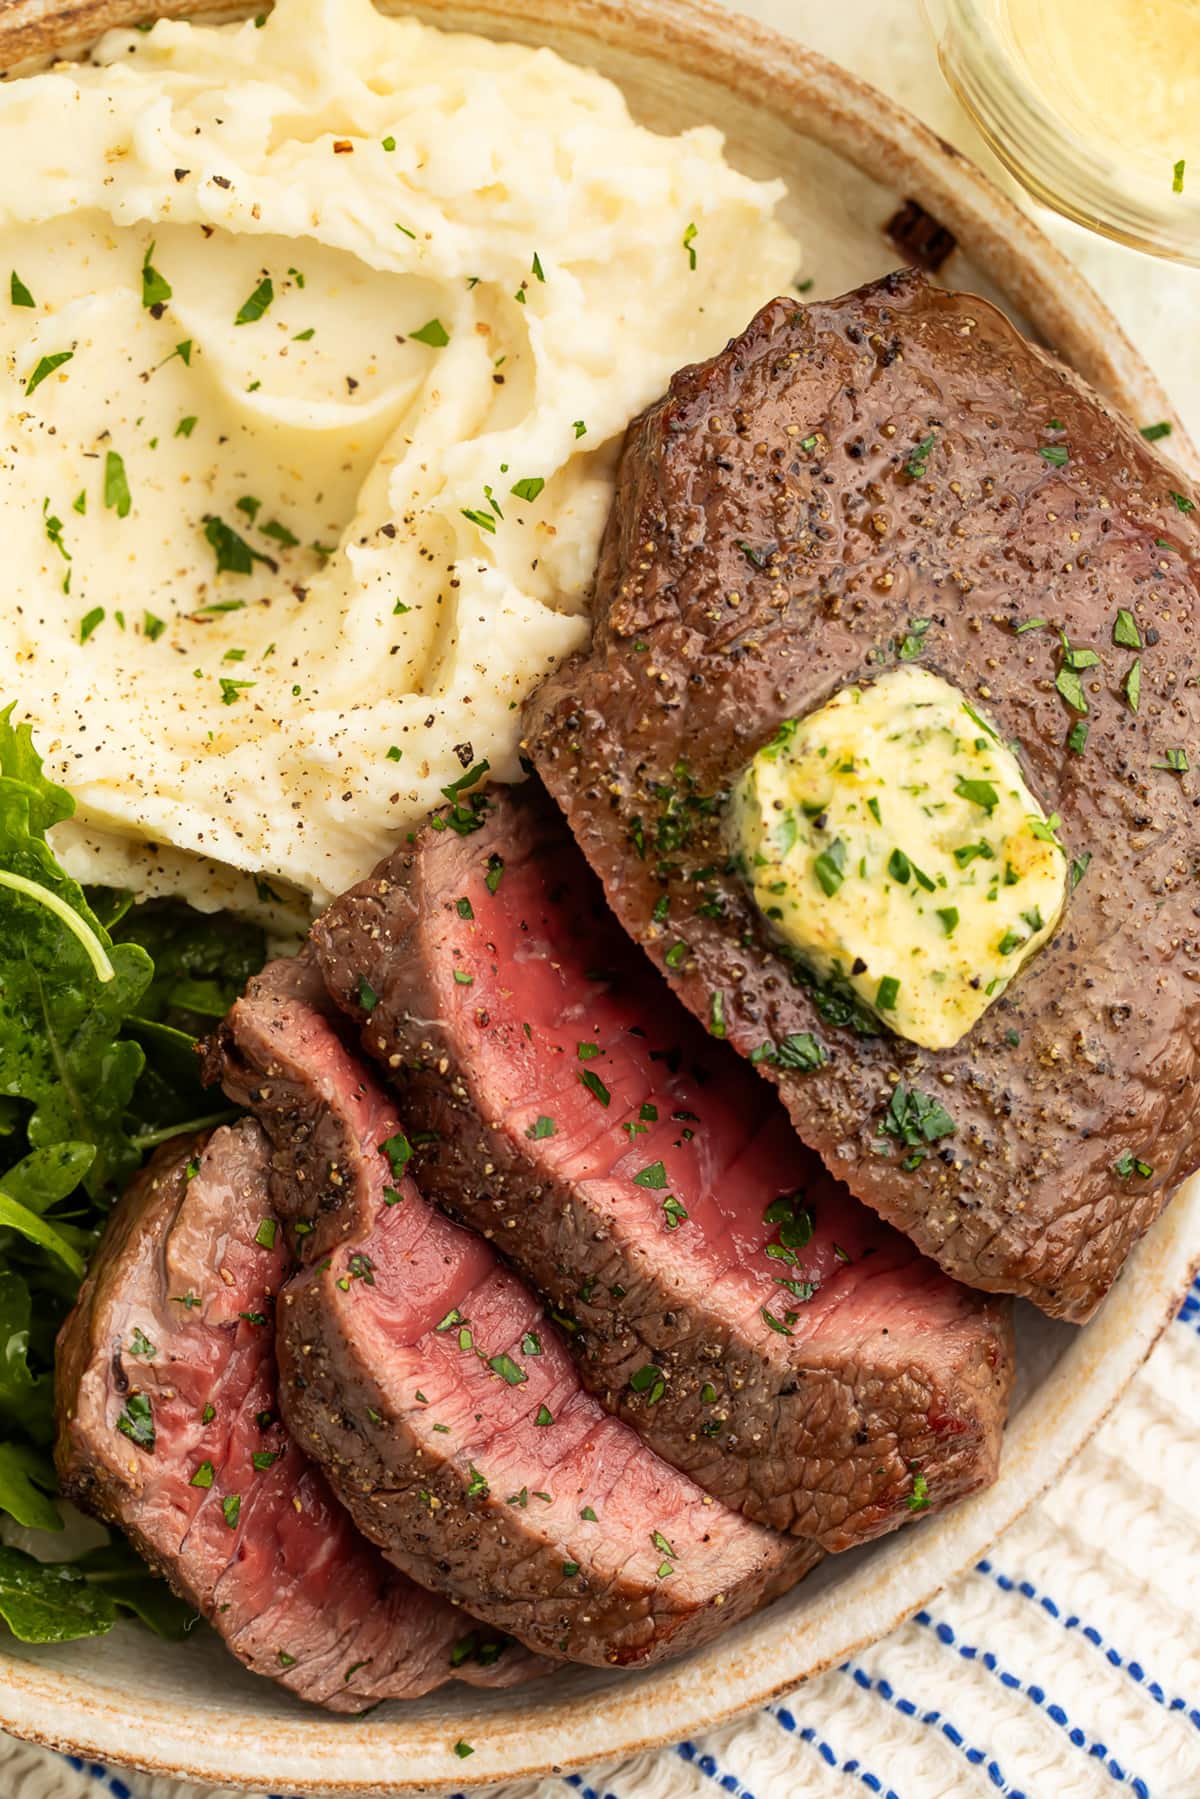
[1075,175]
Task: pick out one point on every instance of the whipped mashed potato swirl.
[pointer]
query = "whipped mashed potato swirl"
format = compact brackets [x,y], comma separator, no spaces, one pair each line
[317,336]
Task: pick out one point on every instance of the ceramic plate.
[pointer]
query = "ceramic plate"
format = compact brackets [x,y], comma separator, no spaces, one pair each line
[850,158]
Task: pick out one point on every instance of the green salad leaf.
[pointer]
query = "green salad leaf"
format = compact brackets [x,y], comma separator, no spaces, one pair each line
[56,1602]
[99,1000]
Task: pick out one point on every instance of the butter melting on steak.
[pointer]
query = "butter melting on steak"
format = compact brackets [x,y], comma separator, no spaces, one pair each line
[762,1330]
[892,477]
[425,1379]
[169,1427]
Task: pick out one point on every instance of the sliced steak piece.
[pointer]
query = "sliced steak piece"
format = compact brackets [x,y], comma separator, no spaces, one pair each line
[169,1427]
[893,476]
[447,1412]
[761,1329]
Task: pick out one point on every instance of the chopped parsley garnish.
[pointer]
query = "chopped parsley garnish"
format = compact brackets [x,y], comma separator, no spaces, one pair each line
[978,793]
[230,689]
[689,244]
[368,999]
[463,1749]
[541,1127]
[776,1324]
[887,994]
[156,289]
[654,1176]
[595,1086]
[495,873]
[434,334]
[913,641]
[918,1499]
[529,488]
[674,1212]
[1029,624]
[233,553]
[918,461]
[917,1119]
[1125,631]
[89,622]
[264,1236]
[262,1459]
[508,1370]
[1176,761]
[463,979]
[477,1487]
[1181,501]
[46,366]
[252,309]
[544,1416]
[829,867]
[649,1380]
[203,1477]
[579,428]
[398,1151]
[1071,688]
[1057,455]
[1129,1164]
[1133,685]
[136,1422]
[116,485]
[1077,737]
[949,918]
[1154,433]
[1177,174]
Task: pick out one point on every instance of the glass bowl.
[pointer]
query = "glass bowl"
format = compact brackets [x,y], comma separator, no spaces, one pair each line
[1090,104]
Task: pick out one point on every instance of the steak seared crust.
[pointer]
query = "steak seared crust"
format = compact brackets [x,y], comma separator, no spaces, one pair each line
[169,1427]
[898,475]
[758,1327]
[424,1378]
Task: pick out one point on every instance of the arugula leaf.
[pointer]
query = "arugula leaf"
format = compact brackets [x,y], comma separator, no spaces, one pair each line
[46,1176]
[60,1017]
[16,1217]
[116,1571]
[26,1398]
[201,961]
[26,1478]
[50,1602]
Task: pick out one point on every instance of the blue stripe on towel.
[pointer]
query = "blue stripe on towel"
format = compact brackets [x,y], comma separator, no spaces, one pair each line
[978,1758]
[709,1766]
[1037,1696]
[1072,1621]
[852,1765]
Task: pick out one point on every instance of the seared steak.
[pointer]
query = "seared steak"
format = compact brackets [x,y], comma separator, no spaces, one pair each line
[894,476]
[445,1409]
[762,1330]
[169,1426]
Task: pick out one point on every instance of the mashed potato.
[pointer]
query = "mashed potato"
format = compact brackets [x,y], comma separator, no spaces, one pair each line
[318,340]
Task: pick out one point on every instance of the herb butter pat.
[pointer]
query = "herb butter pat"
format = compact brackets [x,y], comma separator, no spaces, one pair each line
[890,841]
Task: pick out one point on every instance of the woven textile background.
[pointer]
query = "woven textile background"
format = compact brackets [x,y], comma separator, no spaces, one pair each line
[1067,1666]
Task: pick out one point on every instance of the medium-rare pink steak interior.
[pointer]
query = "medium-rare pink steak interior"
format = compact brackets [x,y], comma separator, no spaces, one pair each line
[897,479]
[444,1407]
[761,1330]
[169,1426]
